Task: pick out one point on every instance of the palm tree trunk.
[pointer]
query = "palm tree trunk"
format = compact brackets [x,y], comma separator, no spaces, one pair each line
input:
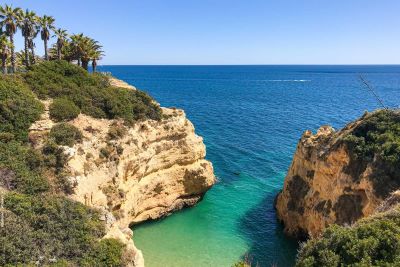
[59,52]
[26,51]
[85,64]
[45,50]
[12,53]
[3,63]
[32,46]
[94,65]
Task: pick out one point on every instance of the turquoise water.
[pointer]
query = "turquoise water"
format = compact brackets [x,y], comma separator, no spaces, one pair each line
[251,118]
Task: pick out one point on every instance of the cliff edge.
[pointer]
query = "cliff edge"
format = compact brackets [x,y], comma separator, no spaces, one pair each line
[340,177]
[134,173]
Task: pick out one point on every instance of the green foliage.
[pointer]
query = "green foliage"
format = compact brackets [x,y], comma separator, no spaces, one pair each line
[20,169]
[53,157]
[65,134]
[18,108]
[90,92]
[377,139]
[372,242]
[40,222]
[63,109]
[57,78]
[108,252]
[49,226]
[378,134]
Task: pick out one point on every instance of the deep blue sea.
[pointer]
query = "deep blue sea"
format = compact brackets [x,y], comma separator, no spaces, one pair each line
[251,118]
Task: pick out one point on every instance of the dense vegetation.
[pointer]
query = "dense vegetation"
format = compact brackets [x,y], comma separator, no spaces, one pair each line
[18,108]
[377,139]
[91,93]
[373,241]
[65,134]
[63,110]
[42,225]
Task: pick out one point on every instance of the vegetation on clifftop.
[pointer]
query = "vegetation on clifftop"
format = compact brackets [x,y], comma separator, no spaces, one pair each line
[42,225]
[91,93]
[372,241]
[377,139]
[18,108]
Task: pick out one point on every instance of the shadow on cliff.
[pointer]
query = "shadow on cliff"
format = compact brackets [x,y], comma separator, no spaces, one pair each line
[268,244]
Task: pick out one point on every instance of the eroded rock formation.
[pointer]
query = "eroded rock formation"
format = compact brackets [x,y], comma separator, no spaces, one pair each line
[135,173]
[328,183]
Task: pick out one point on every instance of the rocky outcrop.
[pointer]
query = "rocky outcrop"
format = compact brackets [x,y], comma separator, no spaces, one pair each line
[150,171]
[136,173]
[328,183]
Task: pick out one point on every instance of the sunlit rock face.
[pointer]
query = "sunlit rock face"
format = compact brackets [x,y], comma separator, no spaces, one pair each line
[150,170]
[327,184]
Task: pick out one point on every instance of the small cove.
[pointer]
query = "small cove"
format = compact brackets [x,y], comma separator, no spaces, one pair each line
[251,118]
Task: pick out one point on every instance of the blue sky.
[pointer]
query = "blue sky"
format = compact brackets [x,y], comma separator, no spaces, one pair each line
[233,31]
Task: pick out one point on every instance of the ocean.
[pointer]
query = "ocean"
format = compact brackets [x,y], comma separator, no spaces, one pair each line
[251,118]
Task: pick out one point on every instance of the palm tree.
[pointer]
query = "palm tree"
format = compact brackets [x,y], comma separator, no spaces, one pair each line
[28,26]
[10,16]
[94,56]
[89,47]
[61,36]
[46,24]
[5,44]
[76,47]
[31,43]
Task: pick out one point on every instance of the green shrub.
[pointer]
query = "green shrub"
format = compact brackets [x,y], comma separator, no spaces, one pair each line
[90,92]
[377,136]
[108,252]
[48,226]
[54,157]
[58,78]
[63,110]
[18,108]
[371,242]
[65,134]
[20,169]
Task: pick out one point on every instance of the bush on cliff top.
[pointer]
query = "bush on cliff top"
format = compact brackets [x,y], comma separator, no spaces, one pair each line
[90,92]
[65,134]
[378,136]
[372,242]
[63,110]
[20,169]
[18,108]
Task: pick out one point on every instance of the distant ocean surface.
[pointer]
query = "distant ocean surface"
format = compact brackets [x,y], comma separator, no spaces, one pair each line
[251,118]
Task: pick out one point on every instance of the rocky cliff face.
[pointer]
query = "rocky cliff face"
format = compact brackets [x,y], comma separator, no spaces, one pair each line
[328,183]
[136,173]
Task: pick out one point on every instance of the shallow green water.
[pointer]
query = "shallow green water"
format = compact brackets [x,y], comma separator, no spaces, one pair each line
[211,234]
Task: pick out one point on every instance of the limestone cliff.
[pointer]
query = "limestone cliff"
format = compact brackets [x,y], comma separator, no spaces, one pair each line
[136,173]
[331,181]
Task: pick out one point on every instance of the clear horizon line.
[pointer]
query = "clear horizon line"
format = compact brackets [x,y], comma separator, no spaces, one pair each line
[327,64]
